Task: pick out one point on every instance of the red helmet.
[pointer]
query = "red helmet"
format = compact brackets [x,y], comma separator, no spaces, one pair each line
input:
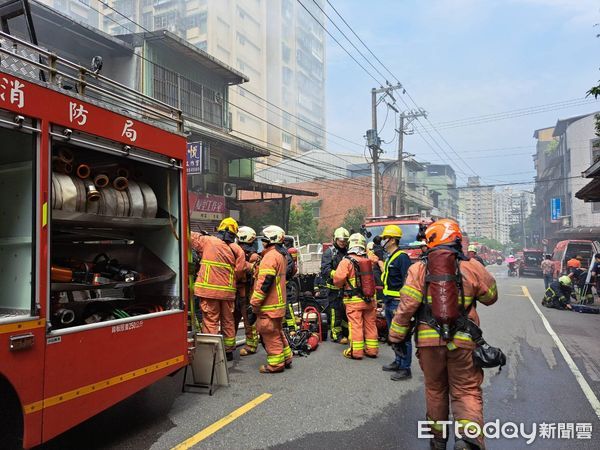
[443,231]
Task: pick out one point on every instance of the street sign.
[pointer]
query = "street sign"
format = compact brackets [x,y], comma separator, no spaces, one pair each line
[555,209]
[194,158]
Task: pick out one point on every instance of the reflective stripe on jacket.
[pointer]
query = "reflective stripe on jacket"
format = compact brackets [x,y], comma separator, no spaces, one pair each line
[268,296]
[393,284]
[221,266]
[478,285]
[345,277]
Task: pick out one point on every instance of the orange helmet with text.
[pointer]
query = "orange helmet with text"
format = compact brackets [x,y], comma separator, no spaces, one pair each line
[443,231]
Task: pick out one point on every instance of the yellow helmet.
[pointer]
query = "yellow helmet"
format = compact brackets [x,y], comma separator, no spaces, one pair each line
[228,224]
[357,240]
[391,231]
[341,233]
[246,235]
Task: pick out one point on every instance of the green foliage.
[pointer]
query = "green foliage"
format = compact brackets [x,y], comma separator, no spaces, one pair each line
[488,242]
[354,218]
[303,224]
[595,91]
[552,146]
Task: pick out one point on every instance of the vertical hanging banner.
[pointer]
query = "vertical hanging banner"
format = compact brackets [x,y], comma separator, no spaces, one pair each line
[194,158]
[555,209]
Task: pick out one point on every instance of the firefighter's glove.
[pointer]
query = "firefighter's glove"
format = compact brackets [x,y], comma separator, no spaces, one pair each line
[251,316]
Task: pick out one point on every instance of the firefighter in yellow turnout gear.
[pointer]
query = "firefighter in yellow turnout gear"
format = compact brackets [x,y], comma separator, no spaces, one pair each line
[360,309]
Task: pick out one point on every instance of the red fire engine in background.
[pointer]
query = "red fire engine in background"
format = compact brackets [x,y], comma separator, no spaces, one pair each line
[93,245]
[411,225]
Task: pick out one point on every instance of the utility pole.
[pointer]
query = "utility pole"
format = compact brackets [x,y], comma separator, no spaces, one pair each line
[406,118]
[374,142]
[375,154]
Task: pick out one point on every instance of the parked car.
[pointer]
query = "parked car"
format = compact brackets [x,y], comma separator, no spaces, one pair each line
[565,250]
[531,263]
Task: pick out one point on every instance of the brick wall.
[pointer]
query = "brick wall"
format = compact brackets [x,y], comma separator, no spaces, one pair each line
[336,197]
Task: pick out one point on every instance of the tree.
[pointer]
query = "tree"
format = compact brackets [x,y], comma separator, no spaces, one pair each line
[303,224]
[488,242]
[595,91]
[354,218]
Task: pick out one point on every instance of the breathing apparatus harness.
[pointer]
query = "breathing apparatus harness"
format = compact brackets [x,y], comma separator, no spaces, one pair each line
[484,355]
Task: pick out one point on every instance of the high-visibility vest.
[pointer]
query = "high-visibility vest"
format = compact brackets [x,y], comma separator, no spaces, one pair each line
[386,273]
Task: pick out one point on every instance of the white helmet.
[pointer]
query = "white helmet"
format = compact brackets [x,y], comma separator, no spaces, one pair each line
[357,243]
[246,235]
[273,234]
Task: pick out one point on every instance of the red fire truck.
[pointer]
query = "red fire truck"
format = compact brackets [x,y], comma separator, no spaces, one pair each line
[93,244]
[411,225]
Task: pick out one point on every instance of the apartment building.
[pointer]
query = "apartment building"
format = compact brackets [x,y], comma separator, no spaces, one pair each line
[276,43]
[478,204]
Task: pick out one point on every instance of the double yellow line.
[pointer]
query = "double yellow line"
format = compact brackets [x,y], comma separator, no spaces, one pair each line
[212,429]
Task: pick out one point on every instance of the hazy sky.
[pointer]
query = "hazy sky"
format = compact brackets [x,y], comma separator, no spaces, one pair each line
[463,58]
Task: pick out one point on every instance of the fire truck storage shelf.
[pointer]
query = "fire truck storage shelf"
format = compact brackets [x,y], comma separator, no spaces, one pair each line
[114,247]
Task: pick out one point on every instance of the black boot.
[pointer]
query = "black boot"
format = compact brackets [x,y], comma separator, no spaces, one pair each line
[229,356]
[401,374]
[437,444]
[462,444]
[393,367]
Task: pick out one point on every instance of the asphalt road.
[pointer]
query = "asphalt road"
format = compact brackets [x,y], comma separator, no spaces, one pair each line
[327,401]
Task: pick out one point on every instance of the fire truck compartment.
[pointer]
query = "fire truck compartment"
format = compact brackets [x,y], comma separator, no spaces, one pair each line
[114,237]
[16,223]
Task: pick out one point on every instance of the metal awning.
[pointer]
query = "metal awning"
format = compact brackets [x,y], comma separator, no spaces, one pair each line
[593,171]
[590,192]
[188,51]
[58,32]
[235,147]
[255,186]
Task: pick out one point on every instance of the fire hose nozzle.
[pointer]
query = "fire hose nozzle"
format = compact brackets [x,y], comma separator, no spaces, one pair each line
[120,183]
[101,180]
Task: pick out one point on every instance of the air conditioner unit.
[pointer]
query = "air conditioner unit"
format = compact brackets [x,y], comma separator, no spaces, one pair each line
[229,190]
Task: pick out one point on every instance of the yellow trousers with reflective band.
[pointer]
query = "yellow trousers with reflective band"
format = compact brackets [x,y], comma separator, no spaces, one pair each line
[362,323]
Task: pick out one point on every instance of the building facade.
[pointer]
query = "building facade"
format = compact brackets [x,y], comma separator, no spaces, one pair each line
[440,180]
[276,43]
[563,153]
[478,204]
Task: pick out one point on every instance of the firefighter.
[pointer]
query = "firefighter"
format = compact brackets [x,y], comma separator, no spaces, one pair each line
[393,277]
[247,241]
[291,256]
[448,367]
[559,293]
[472,252]
[222,265]
[268,301]
[360,309]
[329,262]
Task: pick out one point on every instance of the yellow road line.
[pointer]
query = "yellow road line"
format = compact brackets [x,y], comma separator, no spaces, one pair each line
[212,429]
[516,295]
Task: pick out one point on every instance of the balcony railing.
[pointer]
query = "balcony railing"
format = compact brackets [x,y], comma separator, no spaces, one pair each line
[27,60]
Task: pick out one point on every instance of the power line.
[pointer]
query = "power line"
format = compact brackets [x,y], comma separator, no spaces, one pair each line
[351,43]
[513,111]
[338,42]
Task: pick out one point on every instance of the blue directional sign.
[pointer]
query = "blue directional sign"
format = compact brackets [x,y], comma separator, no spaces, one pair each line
[194,157]
[555,208]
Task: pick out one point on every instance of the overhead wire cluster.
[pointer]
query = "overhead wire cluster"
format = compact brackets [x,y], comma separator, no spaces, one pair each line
[311,162]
